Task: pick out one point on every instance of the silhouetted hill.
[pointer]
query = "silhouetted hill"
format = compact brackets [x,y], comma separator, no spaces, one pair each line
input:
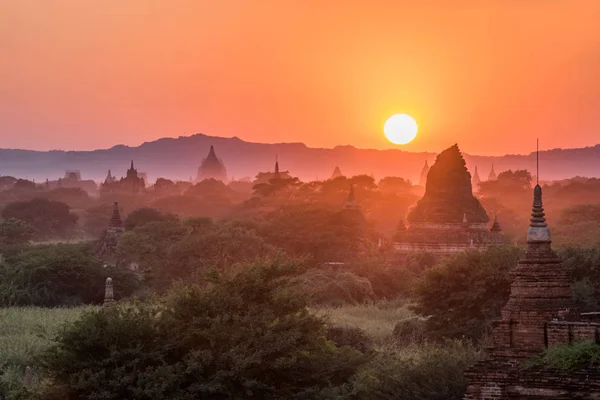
[180,157]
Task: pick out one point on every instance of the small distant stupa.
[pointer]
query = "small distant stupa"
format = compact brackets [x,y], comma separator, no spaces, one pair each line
[475,179]
[212,168]
[448,218]
[424,172]
[106,249]
[492,175]
[336,173]
[109,178]
[351,203]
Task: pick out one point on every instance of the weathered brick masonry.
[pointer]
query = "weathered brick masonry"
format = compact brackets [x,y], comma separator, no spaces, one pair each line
[540,313]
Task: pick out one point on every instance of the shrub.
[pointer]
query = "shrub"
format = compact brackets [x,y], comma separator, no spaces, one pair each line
[410,331]
[334,287]
[143,216]
[352,336]
[568,357]
[15,232]
[429,372]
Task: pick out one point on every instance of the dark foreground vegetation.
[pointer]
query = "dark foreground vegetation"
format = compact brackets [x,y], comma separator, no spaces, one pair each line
[230,292]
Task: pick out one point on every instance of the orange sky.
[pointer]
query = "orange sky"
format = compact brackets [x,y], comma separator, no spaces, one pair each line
[489,74]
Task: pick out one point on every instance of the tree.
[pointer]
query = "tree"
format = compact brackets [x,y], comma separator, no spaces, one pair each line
[59,275]
[394,184]
[143,216]
[163,185]
[49,218]
[463,294]
[247,337]
[15,231]
[7,182]
[73,196]
[24,184]
[508,182]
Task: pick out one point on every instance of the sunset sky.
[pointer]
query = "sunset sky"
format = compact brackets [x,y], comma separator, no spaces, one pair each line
[491,75]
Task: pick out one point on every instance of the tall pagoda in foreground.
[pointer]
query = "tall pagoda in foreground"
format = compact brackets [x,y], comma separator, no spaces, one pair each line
[539,314]
[448,218]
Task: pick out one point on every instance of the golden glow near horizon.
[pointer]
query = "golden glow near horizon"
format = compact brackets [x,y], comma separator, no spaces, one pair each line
[400,129]
[92,74]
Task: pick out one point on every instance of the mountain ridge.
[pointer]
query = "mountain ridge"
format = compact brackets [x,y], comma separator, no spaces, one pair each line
[179,158]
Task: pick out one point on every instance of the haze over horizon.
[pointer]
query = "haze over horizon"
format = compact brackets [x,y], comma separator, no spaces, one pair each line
[490,75]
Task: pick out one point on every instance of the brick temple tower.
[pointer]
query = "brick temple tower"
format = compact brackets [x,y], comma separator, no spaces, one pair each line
[448,218]
[540,313]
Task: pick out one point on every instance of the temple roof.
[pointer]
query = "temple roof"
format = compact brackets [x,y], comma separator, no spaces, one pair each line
[448,193]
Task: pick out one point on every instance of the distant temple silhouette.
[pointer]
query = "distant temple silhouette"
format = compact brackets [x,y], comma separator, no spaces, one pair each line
[475,179]
[336,173]
[492,175]
[212,168]
[133,182]
[448,218]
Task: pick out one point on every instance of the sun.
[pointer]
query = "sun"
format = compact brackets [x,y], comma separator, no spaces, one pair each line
[400,129]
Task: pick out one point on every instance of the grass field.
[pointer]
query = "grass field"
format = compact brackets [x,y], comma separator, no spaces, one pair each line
[24,333]
[412,370]
[376,320]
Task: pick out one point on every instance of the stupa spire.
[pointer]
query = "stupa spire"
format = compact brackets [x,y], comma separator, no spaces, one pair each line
[496,225]
[492,175]
[351,200]
[115,219]
[277,176]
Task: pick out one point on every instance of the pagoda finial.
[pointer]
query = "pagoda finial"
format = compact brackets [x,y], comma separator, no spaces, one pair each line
[131,165]
[276,167]
[538,231]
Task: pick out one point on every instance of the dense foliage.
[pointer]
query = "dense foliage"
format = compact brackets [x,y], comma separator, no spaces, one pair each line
[242,337]
[58,275]
[463,294]
[49,218]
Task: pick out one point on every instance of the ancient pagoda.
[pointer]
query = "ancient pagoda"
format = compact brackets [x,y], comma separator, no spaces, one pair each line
[351,203]
[107,245]
[492,176]
[540,313]
[336,173]
[132,183]
[212,168]
[448,218]
[475,180]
